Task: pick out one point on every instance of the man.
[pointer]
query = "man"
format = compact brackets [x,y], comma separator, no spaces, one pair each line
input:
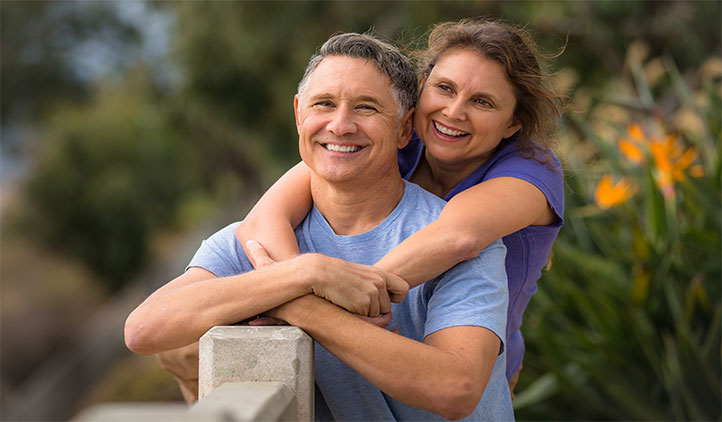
[443,347]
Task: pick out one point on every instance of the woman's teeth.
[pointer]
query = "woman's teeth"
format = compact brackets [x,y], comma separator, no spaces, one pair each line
[449,132]
[342,148]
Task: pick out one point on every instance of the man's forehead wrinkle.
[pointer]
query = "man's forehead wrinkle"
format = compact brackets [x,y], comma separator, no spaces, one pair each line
[364,97]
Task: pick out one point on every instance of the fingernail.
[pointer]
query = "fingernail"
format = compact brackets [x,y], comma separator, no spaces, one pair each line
[252,244]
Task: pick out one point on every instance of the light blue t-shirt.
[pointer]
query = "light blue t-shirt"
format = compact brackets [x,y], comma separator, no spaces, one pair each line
[471,293]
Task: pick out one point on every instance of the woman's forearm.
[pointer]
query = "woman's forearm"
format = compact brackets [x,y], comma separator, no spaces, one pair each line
[280,210]
[468,223]
[431,251]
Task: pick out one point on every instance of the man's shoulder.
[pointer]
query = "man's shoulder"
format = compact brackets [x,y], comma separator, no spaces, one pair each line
[420,199]
[222,253]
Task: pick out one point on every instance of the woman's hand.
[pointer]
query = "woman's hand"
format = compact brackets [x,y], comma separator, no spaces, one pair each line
[360,289]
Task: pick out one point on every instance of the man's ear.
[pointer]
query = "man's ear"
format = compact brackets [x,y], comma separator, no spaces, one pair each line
[295,113]
[513,127]
[406,128]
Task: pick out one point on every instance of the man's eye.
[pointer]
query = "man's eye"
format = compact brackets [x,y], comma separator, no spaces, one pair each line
[323,104]
[366,107]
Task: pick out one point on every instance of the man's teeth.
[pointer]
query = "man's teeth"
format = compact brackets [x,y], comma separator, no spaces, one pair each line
[342,148]
[447,131]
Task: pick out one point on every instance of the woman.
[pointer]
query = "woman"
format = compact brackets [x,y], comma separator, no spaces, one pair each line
[483,127]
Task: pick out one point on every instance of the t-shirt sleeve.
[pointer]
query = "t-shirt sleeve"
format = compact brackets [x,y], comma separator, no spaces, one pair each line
[222,254]
[550,181]
[473,292]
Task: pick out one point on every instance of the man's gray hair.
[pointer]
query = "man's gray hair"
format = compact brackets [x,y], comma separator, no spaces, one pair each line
[389,59]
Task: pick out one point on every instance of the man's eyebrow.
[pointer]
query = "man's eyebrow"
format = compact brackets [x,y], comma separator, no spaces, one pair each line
[361,98]
[323,96]
[369,99]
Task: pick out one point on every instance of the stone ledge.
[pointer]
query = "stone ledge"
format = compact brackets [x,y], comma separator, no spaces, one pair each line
[249,401]
[233,354]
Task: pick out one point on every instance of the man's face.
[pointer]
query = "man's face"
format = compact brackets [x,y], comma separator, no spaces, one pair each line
[348,124]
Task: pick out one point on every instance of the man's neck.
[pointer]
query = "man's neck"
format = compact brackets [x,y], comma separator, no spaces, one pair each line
[354,208]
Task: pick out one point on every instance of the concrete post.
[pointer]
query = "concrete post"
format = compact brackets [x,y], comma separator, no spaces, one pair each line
[259,354]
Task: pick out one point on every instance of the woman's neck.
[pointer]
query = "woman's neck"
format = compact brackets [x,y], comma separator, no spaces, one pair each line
[440,178]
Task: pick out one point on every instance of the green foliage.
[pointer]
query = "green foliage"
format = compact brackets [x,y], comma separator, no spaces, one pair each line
[626,326]
[109,173]
[41,42]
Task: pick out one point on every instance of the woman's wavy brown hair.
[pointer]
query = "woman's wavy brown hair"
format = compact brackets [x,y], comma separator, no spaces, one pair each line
[538,105]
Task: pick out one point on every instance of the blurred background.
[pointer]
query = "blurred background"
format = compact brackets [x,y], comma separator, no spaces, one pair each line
[133,129]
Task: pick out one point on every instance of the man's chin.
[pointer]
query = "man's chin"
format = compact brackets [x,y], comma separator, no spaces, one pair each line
[339,176]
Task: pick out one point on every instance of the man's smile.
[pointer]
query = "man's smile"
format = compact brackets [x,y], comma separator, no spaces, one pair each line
[341,148]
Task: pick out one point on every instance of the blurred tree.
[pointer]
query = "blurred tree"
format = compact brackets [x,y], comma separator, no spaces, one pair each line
[241,61]
[43,46]
[108,175]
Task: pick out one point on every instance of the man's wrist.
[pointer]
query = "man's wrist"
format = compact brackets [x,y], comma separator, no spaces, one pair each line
[295,311]
[305,268]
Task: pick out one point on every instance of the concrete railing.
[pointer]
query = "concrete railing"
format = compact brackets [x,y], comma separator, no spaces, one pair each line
[232,354]
[245,374]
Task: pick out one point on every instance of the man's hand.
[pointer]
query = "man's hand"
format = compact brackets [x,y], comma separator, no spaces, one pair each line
[360,289]
[183,365]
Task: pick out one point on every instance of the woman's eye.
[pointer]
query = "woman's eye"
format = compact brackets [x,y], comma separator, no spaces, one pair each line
[483,102]
[444,88]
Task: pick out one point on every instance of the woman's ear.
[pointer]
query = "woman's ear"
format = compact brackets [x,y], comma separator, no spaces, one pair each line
[513,127]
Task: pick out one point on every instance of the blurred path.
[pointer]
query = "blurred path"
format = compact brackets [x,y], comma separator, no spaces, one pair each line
[53,390]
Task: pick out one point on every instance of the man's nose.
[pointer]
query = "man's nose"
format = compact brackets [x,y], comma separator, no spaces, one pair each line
[455,109]
[342,122]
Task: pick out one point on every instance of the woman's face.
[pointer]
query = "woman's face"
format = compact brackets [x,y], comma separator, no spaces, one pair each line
[465,109]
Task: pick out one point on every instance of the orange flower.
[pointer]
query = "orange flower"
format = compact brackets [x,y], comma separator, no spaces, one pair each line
[629,147]
[671,162]
[696,171]
[608,195]
[631,151]
[636,133]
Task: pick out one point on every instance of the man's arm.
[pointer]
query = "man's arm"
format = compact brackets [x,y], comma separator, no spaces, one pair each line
[180,312]
[446,374]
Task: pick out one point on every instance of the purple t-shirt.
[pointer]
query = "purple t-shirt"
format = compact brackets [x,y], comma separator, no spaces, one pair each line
[528,248]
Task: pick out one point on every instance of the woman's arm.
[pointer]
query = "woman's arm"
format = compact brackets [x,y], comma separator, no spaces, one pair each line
[280,210]
[468,223]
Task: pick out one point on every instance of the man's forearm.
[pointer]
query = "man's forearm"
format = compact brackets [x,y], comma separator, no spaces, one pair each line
[436,376]
[182,311]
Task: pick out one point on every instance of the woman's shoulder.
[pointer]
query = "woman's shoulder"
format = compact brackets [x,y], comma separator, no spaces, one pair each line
[527,154]
[534,164]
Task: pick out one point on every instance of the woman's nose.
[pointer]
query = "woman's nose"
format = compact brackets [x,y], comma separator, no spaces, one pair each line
[455,109]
